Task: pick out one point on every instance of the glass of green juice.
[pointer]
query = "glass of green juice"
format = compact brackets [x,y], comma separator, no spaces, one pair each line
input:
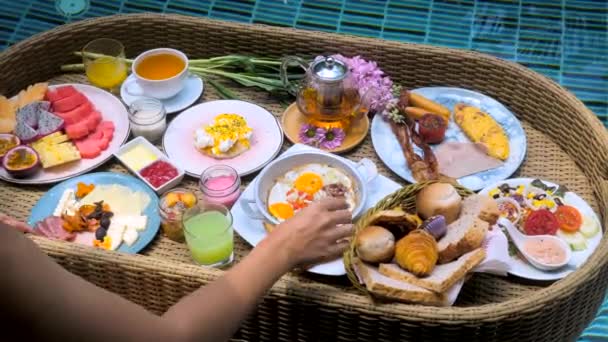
[209,234]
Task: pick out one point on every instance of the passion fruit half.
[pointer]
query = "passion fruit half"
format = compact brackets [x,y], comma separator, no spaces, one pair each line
[21,162]
[7,142]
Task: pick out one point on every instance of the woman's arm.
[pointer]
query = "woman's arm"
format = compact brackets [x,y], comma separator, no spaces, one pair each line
[59,305]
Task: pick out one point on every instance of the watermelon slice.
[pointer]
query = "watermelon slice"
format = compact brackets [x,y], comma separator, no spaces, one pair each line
[77,130]
[66,104]
[66,91]
[88,148]
[93,120]
[49,123]
[76,115]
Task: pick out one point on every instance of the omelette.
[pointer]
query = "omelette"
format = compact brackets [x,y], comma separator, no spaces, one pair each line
[481,128]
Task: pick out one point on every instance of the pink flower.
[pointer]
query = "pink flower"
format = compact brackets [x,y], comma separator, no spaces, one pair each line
[374,86]
[311,135]
[333,138]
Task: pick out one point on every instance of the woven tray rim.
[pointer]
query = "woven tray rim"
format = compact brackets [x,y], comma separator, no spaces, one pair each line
[452,315]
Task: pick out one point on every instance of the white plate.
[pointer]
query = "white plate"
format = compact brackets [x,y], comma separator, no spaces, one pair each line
[253,230]
[390,152]
[192,91]
[178,141]
[521,268]
[111,109]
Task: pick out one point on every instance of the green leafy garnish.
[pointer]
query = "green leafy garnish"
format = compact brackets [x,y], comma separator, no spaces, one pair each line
[560,191]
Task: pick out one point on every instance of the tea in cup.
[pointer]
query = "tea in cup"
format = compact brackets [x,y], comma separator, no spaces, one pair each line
[159,73]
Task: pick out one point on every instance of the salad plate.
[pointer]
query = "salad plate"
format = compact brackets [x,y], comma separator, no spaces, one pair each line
[533,196]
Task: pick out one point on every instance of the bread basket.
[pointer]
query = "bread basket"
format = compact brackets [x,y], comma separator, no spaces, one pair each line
[404,198]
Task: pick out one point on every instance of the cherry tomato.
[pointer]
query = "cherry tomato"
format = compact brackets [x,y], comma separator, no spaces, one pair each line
[569,218]
[541,222]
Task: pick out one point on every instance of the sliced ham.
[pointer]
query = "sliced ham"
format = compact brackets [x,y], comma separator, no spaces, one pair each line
[52,227]
[66,104]
[77,114]
[460,159]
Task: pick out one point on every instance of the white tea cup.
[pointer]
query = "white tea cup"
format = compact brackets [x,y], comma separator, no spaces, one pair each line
[159,89]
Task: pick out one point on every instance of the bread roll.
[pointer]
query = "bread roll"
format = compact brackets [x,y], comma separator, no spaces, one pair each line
[439,199]
[375,244]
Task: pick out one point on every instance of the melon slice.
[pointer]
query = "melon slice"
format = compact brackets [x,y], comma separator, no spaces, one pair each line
[7,108]
[33,93]
[8,113]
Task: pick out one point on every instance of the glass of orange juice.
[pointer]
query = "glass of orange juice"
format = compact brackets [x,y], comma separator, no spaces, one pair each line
[104,63]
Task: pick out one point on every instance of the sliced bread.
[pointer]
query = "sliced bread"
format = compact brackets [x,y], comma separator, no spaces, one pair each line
[384,286]
[442,277]
[481,206]
[464,235]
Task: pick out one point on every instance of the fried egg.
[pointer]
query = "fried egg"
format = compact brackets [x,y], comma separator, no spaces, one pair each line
[304,185]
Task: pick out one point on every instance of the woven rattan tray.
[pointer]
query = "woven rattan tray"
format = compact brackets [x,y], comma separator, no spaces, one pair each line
[566,144]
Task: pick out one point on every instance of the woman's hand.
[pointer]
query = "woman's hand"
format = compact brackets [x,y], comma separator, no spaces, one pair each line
[316,234]
[7,222]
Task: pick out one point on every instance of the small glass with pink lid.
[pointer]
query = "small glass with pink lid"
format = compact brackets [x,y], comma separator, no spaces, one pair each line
[220,184]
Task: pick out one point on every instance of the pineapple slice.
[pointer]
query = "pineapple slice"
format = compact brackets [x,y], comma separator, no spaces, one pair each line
[52,139]
[33,93]
[56,149]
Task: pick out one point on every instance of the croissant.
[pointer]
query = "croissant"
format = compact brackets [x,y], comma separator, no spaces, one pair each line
[417,253]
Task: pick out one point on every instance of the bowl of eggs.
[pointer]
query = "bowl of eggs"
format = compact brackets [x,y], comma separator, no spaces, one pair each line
[290,184]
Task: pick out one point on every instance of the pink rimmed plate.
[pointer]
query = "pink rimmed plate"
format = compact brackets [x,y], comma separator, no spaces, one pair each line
[178,141]
[111,109]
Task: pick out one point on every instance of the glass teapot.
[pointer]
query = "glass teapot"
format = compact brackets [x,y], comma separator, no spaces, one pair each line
[327,93]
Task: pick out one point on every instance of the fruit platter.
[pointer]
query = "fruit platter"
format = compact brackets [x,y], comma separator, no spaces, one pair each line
[52,133]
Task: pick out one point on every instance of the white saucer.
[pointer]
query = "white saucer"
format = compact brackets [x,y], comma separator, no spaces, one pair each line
[184,99]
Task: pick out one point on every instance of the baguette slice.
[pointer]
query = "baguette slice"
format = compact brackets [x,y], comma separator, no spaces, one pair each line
[464,235]
[481,206]
[390,288]
[443,276]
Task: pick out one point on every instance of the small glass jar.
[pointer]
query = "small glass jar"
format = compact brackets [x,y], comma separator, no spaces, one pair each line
[148,118]
[220,184]
[171,207]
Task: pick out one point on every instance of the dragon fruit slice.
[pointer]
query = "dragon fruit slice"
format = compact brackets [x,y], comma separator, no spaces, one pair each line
[29,113]
[25,133]
[49,123]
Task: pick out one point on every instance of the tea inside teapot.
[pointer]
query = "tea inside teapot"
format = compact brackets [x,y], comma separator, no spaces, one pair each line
[328,93]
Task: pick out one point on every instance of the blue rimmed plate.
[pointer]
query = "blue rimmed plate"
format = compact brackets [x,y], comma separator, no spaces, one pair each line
[390,152]
[48,202]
